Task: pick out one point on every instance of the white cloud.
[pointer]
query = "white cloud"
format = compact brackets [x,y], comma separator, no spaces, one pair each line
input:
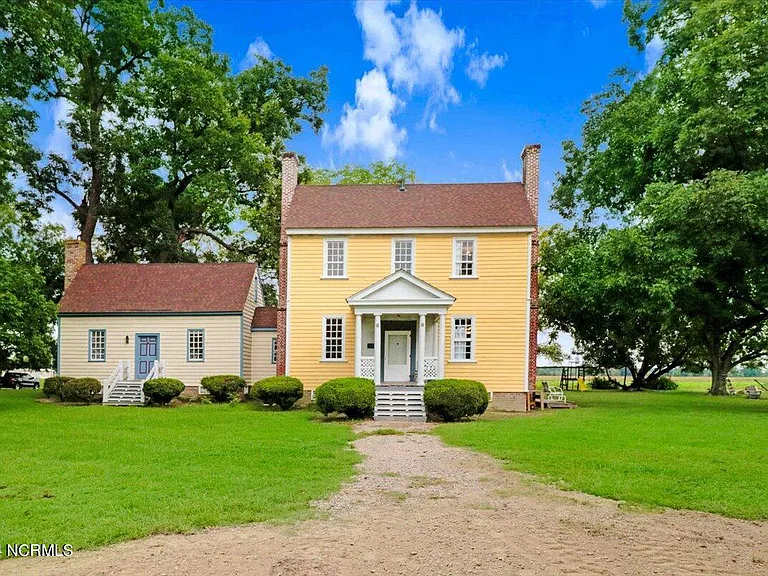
[412,53]
[257,48]
[653,51]
[368,124]
[598,3]
[481,65]
[508,174]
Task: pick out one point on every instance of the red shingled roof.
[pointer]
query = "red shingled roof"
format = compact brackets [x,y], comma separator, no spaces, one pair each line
[136,288]
[265,317]
[419,206]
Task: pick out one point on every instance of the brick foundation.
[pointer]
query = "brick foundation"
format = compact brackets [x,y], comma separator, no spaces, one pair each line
[509,402]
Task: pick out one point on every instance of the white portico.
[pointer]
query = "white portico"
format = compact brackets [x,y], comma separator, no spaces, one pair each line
[400,330]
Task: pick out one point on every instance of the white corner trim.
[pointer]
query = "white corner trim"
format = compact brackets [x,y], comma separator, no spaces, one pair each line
[288,311]
[407,231]
[528,318]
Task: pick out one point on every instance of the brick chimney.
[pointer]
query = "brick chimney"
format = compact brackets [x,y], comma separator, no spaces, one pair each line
[290,176]
[74,259]
[530,157]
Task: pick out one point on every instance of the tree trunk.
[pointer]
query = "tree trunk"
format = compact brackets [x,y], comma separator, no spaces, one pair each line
[720,363]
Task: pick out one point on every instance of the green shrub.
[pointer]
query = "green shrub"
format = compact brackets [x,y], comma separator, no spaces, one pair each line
[281,390]
[661,383]
[222,388]
[602,383]
[453,400]
[163,390]
[355,397]
[52,386]
[80,389]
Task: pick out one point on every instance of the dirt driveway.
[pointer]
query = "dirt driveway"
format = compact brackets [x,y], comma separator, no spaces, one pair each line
[419,507]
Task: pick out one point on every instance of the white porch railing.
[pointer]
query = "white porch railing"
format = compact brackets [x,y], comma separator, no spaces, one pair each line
[121,372]
[431,371]
[367,367]
[157,371]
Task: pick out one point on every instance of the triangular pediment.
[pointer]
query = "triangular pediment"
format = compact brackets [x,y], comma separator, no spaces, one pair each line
[401,288]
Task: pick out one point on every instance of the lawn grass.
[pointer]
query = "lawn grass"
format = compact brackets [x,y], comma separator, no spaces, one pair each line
[93,475]
[673,449]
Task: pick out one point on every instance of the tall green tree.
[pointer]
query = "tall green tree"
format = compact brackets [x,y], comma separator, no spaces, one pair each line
[711,238]
[27,310]
[608,289]
[103,43]
[376,173]
[703,107]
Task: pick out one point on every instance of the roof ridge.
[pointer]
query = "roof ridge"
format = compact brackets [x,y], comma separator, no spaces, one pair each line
[310,185]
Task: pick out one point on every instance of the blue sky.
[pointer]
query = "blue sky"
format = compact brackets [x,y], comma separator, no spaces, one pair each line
[412,59]
[453,89]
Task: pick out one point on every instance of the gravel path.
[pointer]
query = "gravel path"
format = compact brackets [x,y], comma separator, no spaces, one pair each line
[419,507]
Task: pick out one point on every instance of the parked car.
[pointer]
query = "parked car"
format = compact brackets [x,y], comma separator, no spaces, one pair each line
[19,380]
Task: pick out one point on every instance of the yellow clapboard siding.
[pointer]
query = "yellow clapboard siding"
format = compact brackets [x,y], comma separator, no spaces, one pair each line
[497,298]
[261,355]
[222,344]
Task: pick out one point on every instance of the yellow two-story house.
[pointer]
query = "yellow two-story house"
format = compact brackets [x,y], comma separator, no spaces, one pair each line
[407,283]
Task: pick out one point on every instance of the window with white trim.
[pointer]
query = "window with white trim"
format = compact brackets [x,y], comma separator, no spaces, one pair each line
[97,345]
[333,338]
[402,255]
[196,345]
[463,339]
[274,350]
[335,261]
[464,257]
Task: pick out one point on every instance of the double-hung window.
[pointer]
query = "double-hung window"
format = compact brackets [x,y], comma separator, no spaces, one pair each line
[97,345]
[463,339]
[335,258]
[196,345]
[464,258]
[333,338]
[402,255]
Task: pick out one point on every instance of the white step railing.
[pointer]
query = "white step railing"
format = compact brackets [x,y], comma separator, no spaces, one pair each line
[121,372]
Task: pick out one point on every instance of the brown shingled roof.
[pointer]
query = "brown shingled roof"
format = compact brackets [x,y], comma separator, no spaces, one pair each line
[174,288]
[265,317]
[419,206]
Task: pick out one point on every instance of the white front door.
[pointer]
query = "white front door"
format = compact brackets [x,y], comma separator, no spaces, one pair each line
[397,356]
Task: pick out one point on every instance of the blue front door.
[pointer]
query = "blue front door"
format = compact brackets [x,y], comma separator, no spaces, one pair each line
[147,351]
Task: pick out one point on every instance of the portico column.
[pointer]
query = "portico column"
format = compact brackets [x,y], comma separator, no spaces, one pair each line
[422,347]
[441,347]
[358,341]
[377,348]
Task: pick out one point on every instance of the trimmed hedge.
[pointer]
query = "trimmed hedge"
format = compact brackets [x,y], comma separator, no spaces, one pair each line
[52,386]
[281,390]
[223,387]
[80,389]
[355,397]
[453,400]
[163,390]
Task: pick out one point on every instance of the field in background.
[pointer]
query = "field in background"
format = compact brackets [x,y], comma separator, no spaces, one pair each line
[685,383]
